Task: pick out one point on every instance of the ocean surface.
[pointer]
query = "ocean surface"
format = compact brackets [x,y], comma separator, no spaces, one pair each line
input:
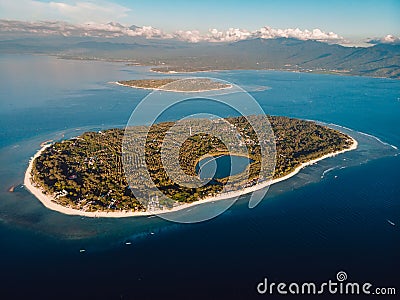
[333,216]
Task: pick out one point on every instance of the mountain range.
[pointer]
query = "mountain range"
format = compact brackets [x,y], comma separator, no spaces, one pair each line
[175,55]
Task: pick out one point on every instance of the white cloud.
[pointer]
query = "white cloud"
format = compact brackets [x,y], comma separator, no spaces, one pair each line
[91,29]
[193,36]
[233,35]
[71,11]
[388,39]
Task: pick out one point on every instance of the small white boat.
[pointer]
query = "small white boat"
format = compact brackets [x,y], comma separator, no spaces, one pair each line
[390,222]
[82,250]
[151,233]
[128,243]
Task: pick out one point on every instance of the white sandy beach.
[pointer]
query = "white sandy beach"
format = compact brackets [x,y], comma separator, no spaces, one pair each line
[48,200]
[170,90]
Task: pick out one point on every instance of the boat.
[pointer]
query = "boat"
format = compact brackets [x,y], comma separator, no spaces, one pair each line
[128,243]
[82,250]
[390,222]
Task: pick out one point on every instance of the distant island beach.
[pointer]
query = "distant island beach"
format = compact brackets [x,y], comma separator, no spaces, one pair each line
[176,84]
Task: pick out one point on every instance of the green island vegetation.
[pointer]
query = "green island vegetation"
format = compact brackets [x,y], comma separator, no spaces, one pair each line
[86,172]
[176,84]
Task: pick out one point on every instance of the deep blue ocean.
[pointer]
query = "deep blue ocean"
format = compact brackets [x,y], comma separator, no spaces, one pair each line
[333,216]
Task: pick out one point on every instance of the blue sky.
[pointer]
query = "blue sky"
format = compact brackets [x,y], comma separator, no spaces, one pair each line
[351,19]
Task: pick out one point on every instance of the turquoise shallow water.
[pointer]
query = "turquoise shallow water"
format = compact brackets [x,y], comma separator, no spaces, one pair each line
[329,217]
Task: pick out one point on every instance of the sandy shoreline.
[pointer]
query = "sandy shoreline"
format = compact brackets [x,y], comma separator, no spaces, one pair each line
[167,90]
[48,202]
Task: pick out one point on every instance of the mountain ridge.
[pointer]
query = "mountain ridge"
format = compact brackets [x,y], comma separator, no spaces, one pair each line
[290,54]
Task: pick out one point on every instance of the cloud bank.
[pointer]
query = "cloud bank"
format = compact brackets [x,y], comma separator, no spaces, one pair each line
[112,29]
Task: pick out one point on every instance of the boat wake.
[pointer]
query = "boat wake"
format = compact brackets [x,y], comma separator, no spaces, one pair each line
[329,170]
[390,222]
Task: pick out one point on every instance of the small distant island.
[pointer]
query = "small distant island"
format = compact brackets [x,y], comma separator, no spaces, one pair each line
[176,84]
[84,175]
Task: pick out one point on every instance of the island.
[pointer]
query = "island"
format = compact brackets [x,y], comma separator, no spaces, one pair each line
[85,176]
[176,84]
